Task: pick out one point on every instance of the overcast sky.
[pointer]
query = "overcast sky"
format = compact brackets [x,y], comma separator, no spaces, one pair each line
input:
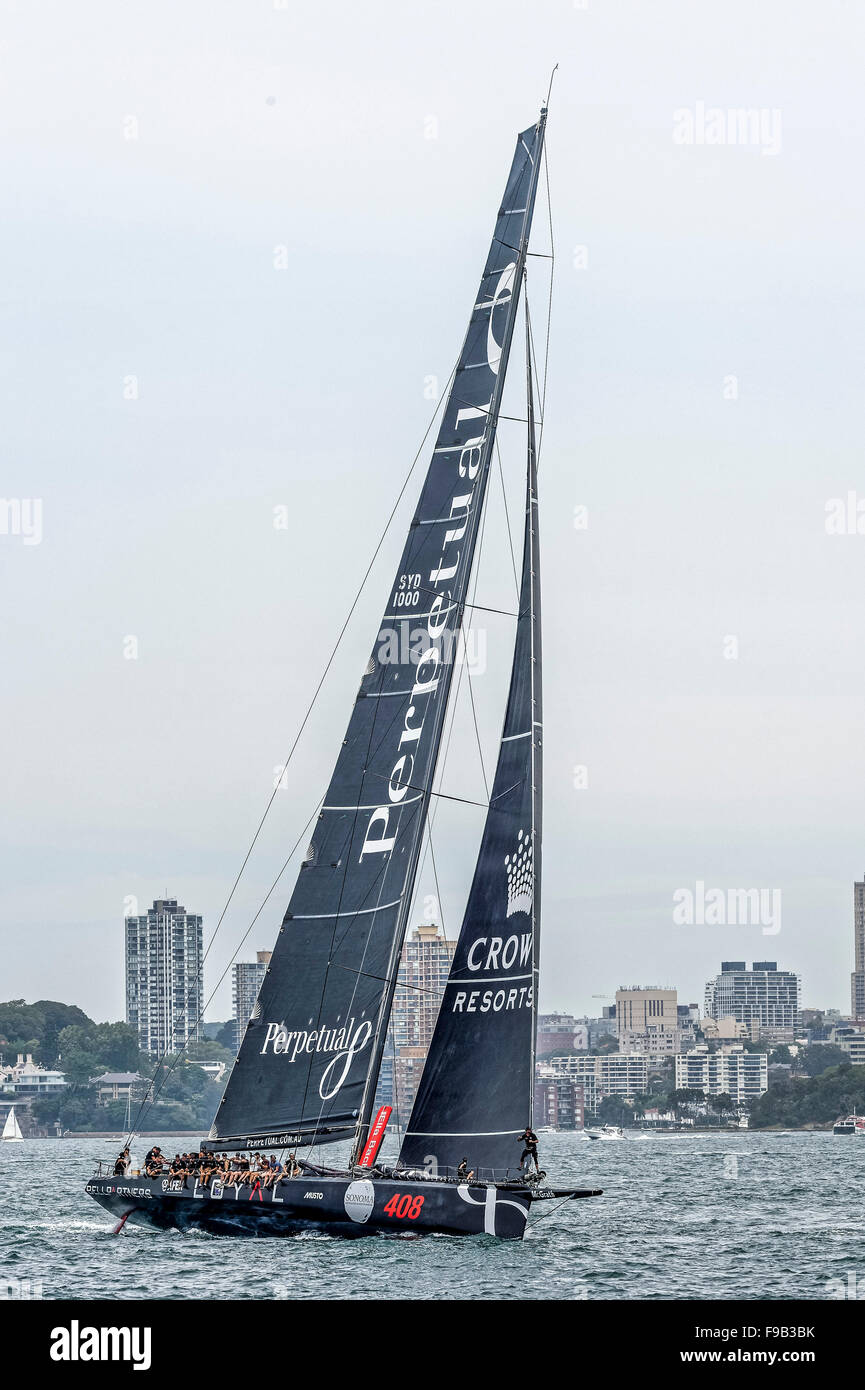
[166,386]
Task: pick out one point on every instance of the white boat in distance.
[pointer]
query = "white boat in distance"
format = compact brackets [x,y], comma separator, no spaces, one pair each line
[606,1132]
[854,1124]
[12,1130]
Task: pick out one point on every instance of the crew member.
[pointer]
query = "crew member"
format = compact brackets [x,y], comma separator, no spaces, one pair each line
[530,1139]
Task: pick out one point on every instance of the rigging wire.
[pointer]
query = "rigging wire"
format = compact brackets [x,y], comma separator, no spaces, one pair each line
[545,1214]
[508,520]
[278,781]
[150,1100]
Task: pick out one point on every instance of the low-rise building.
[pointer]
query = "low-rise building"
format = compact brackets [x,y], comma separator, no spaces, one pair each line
[851,1039]
[559,1033]
[28,1078]
[215,1071]
[728,1030]
[598,1028]
[116,1085]
[559,1101]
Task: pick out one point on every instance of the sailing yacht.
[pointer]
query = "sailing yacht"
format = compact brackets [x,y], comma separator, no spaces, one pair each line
[307,1068]
[12,1130]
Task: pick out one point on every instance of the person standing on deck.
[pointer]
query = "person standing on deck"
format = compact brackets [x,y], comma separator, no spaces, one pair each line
[530,1140]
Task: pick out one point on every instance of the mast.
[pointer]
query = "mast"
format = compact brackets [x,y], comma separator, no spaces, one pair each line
[537,712]
[519,271]
[308,1063]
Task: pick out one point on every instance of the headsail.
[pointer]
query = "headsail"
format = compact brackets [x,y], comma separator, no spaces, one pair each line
[475,1093]
[310,1054]
[12,1129]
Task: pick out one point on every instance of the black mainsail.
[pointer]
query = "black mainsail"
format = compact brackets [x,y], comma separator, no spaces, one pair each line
[310,1055]
[475,1092]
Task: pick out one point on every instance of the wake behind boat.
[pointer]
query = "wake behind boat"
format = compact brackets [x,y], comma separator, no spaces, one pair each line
[308,1065]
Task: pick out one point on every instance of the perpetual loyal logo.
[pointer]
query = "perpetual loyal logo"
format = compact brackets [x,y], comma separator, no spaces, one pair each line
[381,834]
[343,1043]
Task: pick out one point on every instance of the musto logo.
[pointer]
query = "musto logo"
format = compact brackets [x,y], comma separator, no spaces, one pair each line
[359,1200]
[343,1043]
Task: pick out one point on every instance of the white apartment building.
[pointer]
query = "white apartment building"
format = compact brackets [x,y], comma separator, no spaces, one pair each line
[624,1074]
[164,985]
[730,1071]
[247,977]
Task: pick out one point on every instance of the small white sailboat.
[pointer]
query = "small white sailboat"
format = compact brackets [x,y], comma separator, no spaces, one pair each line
[12,1130]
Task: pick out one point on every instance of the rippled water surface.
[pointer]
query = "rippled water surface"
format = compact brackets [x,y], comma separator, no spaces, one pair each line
[699,1216]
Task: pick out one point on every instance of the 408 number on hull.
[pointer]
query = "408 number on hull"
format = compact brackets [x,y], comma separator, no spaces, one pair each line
[404,1205]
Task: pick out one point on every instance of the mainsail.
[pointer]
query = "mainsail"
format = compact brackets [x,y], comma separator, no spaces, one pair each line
[12,1129]
[311,1051]
[475,1092]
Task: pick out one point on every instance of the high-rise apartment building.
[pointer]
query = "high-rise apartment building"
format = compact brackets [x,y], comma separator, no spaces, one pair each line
[246,982]
[164,985]
[857,979]
[764,997]
[423,973]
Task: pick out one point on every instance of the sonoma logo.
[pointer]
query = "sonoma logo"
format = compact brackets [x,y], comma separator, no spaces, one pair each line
[76,1343]
[343,1042]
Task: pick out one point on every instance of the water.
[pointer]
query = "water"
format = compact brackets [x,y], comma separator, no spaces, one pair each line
[725,1216]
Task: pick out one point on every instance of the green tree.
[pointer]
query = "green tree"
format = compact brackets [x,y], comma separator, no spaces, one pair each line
[612,1110]
[814,1060]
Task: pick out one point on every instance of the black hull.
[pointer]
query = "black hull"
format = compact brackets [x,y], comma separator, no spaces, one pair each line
[334,1205]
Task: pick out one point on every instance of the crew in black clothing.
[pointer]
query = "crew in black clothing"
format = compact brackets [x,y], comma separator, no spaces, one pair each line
[121,1164]
[154,1162]
[530,1139]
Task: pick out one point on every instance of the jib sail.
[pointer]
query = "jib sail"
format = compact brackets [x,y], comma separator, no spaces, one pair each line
[475,1092]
